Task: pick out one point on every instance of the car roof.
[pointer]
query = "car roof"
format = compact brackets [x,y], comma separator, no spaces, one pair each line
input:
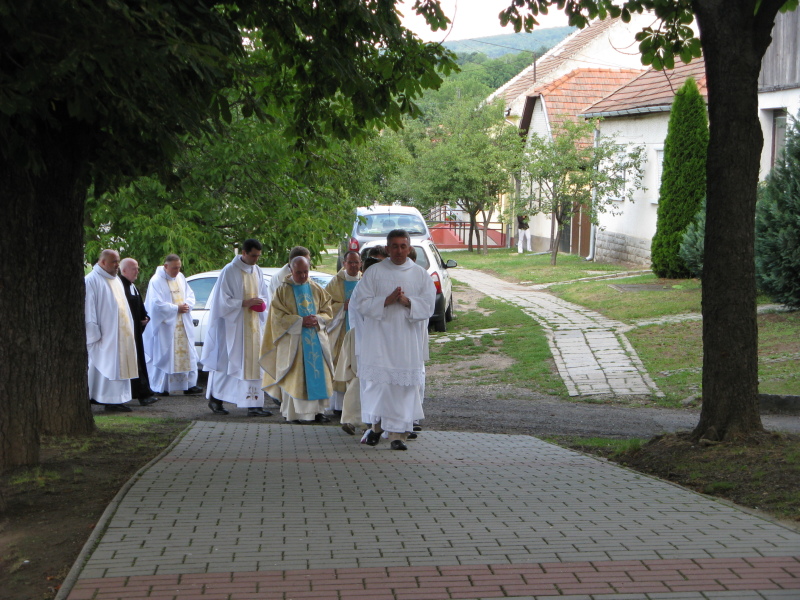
[382,209]
[266,270]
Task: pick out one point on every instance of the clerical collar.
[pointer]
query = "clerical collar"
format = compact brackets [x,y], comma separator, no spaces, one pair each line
[98,269]
[164,273]
[237,260]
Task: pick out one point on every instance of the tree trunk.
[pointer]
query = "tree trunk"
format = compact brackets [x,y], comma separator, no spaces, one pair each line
[555,241]
[43,384]
[734,41]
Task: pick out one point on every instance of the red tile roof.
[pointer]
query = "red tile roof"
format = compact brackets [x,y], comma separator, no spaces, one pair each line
[653,91]
[552,60]
[570,95]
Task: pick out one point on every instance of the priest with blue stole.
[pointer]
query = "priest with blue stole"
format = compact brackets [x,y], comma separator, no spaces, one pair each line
[340,289]
[295,353]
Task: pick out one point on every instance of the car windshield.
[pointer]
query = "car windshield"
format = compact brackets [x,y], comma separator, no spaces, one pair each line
[380,225]
[202,288]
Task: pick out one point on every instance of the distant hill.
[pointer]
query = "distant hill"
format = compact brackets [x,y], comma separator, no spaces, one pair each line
[512,43]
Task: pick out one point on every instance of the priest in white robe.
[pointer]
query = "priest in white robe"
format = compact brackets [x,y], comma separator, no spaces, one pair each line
[232,345]
[169,337]
[295,352]
[395,298]
[109,336]
[340,288]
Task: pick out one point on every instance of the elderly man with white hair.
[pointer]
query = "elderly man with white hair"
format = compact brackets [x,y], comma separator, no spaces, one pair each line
[109,336]
[295,353]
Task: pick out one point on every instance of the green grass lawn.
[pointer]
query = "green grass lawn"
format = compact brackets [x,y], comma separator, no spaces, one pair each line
[535,268]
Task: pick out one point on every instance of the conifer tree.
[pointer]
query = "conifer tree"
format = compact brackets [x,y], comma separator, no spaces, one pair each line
[778,226]
[683,179]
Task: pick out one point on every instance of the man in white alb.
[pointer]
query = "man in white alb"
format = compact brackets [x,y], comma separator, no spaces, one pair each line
[395,299]
[340,288]
[169,337]
[232,343]
[109,336]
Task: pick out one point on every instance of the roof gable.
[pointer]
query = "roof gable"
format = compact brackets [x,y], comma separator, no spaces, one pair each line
[652,91]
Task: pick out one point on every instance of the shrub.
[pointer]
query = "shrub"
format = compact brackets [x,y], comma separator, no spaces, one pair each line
[778,226]
[693,243]
[683,179]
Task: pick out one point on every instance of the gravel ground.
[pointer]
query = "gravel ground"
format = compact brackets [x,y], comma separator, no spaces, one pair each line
[499,409]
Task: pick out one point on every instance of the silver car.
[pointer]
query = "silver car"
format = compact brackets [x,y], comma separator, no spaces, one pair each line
[428,258]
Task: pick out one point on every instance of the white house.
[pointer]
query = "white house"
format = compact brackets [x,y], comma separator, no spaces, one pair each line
[638,113]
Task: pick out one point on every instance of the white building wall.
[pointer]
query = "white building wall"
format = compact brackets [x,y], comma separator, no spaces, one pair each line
[768,103]
[625,231]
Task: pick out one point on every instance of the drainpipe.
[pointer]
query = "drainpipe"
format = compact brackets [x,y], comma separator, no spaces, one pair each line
[593,232]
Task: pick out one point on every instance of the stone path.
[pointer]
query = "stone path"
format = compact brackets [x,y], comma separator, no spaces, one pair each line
[277,512]
[591,353]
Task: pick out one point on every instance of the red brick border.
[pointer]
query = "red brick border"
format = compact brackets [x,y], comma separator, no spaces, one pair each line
[465,581]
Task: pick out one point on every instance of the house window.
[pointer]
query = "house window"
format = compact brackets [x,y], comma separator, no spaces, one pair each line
[778,134]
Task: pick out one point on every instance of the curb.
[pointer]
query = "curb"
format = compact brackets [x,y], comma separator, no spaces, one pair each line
[102,523]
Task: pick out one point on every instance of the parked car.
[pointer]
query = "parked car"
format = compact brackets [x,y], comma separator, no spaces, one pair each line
[428,258]
[203,283]
[374,222]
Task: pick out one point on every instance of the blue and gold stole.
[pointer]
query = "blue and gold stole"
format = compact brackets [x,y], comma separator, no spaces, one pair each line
[349,286]
[313,360]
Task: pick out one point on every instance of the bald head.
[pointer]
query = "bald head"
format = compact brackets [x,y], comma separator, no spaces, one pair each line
[300,267]
[109,261]
[129,269]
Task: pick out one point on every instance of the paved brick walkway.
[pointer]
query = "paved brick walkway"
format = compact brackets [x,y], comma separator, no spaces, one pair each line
[261,511]
[591,352]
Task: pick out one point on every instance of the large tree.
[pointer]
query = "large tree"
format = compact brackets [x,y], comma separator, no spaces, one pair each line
[733,39]
[92,91]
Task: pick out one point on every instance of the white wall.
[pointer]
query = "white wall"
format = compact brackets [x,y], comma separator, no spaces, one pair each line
[768,102]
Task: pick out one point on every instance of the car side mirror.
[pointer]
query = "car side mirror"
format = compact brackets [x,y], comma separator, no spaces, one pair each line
[450,264]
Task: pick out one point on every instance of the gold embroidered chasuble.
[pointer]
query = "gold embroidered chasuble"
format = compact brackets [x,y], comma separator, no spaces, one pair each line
[252,338]
[180,346]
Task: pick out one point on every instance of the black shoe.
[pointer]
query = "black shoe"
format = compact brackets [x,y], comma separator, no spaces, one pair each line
[373,437]
[162,394]
[349,428]
[399,445]
[93,401]
[216,407]
[417,428]
[258,412]
[148,401]
[193,391]
[320,418]
[337,413]
[117,408]
[411,436]
[276,401]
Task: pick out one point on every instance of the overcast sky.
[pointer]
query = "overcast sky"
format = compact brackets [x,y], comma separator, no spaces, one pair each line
[470,19]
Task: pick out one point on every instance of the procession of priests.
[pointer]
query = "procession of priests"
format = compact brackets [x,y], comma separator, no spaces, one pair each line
[284,340]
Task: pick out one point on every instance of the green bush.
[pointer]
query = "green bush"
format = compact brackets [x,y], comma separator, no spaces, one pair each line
[683,179]
[693,243]
[778,226]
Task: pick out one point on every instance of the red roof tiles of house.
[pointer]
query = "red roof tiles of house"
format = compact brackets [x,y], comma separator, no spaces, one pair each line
[653,91]
[570,95]
[552,60]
